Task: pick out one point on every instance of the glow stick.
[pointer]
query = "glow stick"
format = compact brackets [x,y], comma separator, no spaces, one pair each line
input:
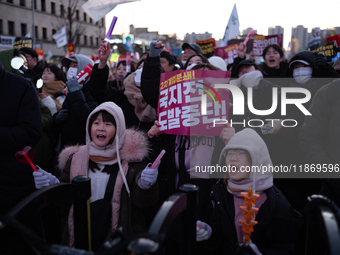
[247,39]
[155,163]
[109,33]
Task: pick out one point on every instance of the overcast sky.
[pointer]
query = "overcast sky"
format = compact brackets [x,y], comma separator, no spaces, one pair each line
[187,16]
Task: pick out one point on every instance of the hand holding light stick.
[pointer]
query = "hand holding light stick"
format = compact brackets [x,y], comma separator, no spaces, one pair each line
[26,156]
[155,163]
[109,32]
[247,38]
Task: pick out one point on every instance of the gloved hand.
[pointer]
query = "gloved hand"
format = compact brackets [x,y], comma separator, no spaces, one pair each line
[320,61]
[248,248]
[148,176]
[203,231]
[73,85]
[155,48]
[61,116]
[43,178]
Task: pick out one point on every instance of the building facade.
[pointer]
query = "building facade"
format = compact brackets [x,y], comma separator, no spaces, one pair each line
[16,19]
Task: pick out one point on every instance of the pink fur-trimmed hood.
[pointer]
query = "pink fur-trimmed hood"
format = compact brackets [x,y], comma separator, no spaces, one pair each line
[135,148]
[66,154]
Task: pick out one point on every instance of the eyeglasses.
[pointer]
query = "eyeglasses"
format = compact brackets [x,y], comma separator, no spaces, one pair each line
[237,153]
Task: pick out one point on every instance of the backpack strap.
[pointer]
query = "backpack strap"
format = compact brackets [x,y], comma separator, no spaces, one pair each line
[111,183]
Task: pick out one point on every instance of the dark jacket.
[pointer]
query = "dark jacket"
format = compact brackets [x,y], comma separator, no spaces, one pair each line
[274,73]
[319,136]
[39,68]
[236,62]
[43,149]
[275,233]
[105,93]
[20,126]
[79,103]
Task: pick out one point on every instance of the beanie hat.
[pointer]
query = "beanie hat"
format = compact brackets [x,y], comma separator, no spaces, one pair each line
[218,62]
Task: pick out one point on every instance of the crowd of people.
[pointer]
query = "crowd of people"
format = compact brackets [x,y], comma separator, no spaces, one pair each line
[107,128]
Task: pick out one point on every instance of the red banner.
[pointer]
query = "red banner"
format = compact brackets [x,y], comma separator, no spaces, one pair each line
[335,39]
[260,42]
[228,53]
[71,49]
[181,108]
[40,53]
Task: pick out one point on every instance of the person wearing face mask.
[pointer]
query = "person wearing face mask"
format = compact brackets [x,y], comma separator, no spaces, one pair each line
[71,119]
[305,70]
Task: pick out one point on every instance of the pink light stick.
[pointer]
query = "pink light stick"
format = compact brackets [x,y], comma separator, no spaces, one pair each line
[247,38]
[109,32]
[155,163]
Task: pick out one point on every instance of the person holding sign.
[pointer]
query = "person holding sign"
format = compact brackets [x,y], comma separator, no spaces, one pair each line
[278,222]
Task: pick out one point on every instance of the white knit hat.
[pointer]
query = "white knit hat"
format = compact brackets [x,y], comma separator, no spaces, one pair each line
[218,62]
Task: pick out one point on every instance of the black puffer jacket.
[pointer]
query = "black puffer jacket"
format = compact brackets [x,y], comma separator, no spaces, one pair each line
[20,125]
[319,136]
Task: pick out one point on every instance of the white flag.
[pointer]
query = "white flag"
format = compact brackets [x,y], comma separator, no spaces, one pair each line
[28,34]
[49,55]
[60,37]
[232,29]
[98,9]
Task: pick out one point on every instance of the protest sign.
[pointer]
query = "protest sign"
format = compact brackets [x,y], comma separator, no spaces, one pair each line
[6,41]
[40,53]
[328,51]
[181,95]
[228,53]
[260,42]
[335,39]
[207,47]
[20,42]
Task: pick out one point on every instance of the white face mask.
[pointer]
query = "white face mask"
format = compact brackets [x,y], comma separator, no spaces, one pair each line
[251,79]
[72,71]
[302,74]
[138,76]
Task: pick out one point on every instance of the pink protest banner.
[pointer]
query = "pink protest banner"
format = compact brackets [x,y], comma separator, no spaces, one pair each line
[228,53]
[260,42]
[181,107]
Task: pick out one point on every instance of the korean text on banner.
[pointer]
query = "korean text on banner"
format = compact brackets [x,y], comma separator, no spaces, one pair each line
[98,9]
[228,53]
[207,47]
[60,37]
[6,41]
[180,107]
[260,42]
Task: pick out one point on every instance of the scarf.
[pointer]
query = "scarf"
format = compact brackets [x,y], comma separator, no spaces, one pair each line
[53,89]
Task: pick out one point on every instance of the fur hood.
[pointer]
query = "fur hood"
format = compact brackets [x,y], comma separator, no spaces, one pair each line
[134,149]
